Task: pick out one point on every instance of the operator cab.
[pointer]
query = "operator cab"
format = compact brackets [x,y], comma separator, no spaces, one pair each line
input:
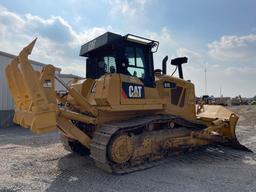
[129,55]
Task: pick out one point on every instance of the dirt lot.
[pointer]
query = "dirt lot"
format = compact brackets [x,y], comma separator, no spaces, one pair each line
[39,163]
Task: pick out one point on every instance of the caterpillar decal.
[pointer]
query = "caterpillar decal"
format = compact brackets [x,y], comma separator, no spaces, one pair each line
[132,91]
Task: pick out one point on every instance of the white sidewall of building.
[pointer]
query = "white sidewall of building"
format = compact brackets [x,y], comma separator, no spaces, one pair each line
[6,102]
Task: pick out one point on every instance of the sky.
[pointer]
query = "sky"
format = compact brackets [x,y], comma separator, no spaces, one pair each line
[219,35]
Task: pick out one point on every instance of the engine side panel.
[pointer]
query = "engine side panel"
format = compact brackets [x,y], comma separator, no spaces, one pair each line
[178,95]
[117,92]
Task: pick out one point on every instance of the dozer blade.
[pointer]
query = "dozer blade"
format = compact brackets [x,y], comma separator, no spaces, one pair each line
[33,109]
[222,123]
[237,145]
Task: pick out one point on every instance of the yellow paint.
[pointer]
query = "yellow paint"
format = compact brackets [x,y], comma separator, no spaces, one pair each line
[95,102]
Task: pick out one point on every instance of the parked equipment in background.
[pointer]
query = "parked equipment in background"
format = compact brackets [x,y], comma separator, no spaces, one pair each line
[125,115]
[238,100]
[208,99]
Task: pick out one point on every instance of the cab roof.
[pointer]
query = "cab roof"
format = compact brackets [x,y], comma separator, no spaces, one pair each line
[109,38]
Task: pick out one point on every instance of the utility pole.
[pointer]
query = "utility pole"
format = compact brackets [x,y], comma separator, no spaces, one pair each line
[205,81]
[221,96]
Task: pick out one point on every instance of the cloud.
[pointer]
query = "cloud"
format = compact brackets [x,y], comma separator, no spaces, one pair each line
[166,46]
[171,47]
[194,58]
[242,71]
[127,7]
[233,48]
[55,28]
[164,36]
[235,69]
[58,42]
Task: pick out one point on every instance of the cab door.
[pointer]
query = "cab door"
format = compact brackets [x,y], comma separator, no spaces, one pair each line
[137,85]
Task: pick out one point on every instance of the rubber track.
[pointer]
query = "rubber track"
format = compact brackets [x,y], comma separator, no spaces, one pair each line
[103,136]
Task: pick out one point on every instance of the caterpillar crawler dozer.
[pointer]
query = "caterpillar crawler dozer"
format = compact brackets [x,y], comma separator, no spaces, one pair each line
[125,115]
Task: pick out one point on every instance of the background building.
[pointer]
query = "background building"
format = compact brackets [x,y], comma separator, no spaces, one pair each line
[6,101]
[67,79]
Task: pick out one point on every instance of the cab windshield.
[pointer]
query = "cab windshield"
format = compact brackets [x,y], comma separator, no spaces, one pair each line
[131,59]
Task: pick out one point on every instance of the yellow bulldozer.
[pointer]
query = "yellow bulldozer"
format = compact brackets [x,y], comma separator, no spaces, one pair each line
[124,114]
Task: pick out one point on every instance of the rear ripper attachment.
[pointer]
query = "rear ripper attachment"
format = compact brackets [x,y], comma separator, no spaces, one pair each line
[36,100]
[33,107]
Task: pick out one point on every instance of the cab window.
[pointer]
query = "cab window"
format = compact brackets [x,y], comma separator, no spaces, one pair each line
[110,64]
[136,61]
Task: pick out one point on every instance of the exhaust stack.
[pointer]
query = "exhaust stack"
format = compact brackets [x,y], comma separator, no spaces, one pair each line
[164,65]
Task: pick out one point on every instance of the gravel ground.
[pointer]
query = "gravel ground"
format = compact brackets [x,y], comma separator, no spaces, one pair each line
[39,163]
